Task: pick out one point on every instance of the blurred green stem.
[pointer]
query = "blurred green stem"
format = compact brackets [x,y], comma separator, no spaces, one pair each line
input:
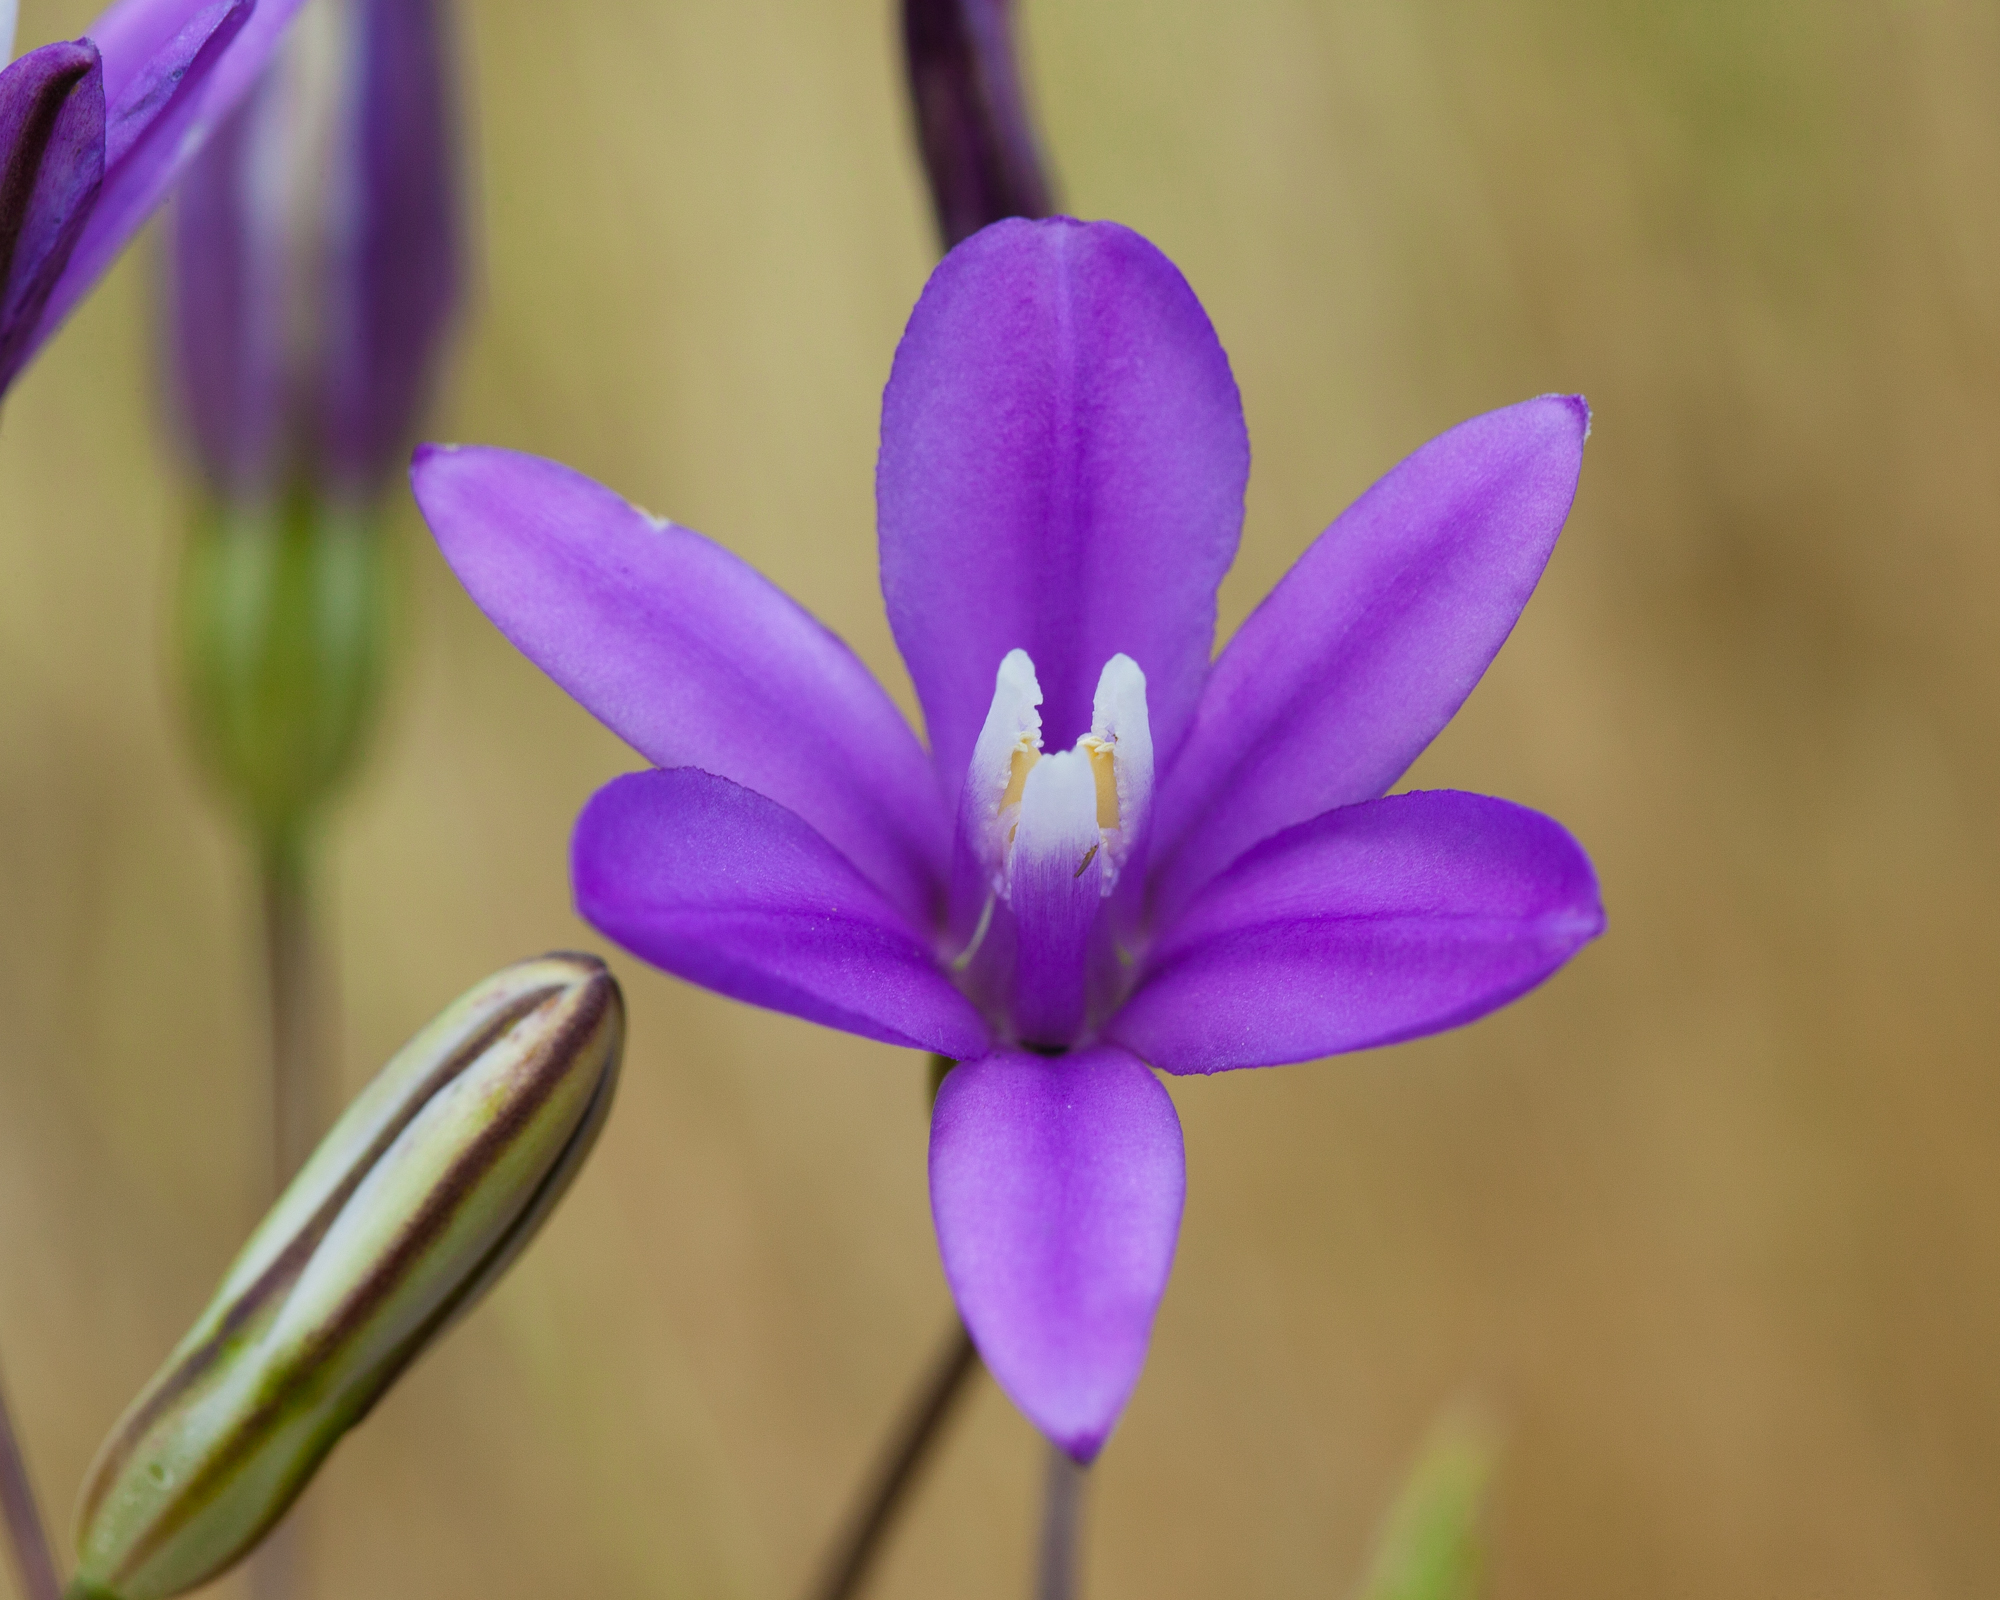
[848,1566]
[292,1014]
[292,990]
[1062,1518]
[32,1555]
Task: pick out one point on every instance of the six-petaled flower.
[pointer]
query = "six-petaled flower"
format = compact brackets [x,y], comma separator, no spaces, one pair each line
[1116,855]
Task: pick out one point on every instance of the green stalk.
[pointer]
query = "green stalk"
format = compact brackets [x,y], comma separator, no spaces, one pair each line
[292,1001]
[293,994]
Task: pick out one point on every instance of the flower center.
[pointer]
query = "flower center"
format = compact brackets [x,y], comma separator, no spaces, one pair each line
[1044,840]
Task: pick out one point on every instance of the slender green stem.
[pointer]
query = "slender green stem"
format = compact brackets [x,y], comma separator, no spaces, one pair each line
[848,1564]
[33,1558]
[292,990]
[292,998]
[1062,1529]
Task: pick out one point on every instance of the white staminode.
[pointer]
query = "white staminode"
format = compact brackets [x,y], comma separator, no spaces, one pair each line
[1057,841]
[1120,743]
[1096,796]
[1009,744]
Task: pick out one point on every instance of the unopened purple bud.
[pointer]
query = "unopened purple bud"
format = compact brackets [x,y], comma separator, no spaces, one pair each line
[978,142]
[315,258]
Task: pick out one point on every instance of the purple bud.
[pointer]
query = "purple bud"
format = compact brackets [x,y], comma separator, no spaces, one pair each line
[978,143]
[315,258]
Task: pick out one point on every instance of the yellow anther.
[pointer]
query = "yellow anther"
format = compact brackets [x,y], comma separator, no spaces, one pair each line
[1025,756]
[1101,768]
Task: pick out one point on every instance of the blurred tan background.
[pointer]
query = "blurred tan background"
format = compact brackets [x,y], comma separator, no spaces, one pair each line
[1713,1221]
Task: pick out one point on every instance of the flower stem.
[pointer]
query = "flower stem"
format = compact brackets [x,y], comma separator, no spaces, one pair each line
[847,1566]
[32,1555]
[1062,1522]
[291,989]
[291,1000]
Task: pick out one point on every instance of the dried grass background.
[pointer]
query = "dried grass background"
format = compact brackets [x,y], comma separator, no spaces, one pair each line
[1712,1222]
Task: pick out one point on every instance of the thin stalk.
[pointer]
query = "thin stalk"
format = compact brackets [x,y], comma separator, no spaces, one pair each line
[1062,1529]
[292,995]
[292,990]
[33,1558]
[852,1556]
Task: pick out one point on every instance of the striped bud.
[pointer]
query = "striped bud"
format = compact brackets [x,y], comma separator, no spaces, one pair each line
[427,1188]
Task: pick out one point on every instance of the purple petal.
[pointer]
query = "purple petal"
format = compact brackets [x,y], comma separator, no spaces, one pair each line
[394,280]
[172,74]
[1056,1187]
[1371,924]
[134,33]
[52,146]
[1372,641]
[228,262]
[356,226]
[730,890]
[690,656]
[1062,470]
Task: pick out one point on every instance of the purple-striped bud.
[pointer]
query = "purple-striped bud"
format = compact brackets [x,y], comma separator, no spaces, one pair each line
[94,133]
[315,259]
[427,1189]
[977,140]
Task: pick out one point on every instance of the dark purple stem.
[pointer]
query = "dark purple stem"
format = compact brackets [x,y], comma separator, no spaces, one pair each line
[1062,1526]
[974,131]
[32,1555]
[847,1567]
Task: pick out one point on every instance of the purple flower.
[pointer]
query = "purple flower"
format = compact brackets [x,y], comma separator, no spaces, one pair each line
[94,133]
[1117,855]
[315,257]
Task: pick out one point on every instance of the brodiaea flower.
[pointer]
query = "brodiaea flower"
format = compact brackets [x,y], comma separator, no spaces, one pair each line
[1116,856]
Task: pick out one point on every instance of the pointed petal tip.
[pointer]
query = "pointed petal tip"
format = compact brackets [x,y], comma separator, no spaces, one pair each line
[1367,926]
[1562,420]
[1082,1448]
[1368,646]
[1057,1185]
[1576,406]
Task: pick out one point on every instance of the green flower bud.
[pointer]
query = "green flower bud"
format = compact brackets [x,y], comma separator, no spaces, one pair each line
[430,1184]
[282,631]
[1428,1545]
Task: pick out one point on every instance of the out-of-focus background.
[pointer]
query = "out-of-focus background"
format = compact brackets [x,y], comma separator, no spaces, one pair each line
[1712,1223]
